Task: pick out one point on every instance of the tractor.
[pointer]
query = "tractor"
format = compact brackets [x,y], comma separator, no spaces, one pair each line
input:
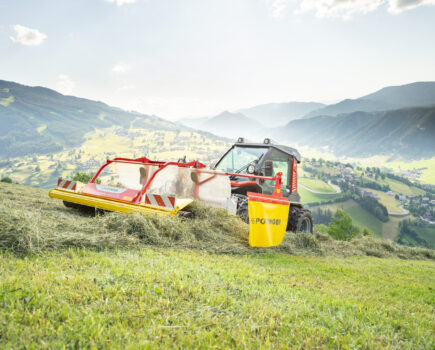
[265,159]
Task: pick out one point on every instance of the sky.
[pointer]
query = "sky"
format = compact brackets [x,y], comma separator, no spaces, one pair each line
[191,58]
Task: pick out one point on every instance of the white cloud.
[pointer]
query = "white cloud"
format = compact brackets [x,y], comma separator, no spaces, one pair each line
[277,7]
[64,84]
[396,6]
[28,36]
[339,8]
[122,2]
[130,87]
[347,8]
[120,67]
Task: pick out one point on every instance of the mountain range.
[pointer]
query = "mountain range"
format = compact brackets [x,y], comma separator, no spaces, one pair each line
[419,94]
[408,132]
[393,120]
[227,124]
[37,120]
[276,114]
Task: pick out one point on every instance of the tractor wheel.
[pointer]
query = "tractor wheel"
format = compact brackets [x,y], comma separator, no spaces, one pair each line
[242,207]
[300,220]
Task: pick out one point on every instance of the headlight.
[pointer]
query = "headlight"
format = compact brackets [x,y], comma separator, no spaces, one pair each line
[251,169]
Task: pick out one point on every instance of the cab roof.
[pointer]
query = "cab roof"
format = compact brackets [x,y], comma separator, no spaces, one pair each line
[286,149]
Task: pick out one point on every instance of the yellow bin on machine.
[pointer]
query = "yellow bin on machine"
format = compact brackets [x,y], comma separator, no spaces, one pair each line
[268,216]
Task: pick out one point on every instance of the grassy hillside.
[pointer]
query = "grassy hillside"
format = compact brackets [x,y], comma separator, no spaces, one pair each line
[129,281]
[392,204]
[310,197]
[31,222]
[427,233]
[425,167]
[399,187]
[37,121]
[360,217]
[158,298]
[44,135]
[43,170]
[316,185]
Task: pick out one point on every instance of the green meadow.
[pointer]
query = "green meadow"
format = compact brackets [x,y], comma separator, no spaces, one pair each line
[73,280]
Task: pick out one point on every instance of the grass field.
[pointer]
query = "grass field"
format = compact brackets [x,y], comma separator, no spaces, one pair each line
[360,217]
[401,188]
[390,229]
[151,298]
[309,197]
[390,202]
[316,185]
[425,232]
[427,166]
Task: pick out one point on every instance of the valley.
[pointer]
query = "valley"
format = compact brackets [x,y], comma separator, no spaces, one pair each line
[369,163]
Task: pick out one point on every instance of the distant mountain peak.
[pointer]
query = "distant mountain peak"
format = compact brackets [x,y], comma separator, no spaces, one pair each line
[417,94]
[275,114]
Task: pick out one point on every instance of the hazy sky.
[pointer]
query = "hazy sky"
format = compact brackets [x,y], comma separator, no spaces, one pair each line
[176,58]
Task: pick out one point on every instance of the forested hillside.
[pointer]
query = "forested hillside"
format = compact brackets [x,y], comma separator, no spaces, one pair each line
[45,135]
[408,132]
[37,120]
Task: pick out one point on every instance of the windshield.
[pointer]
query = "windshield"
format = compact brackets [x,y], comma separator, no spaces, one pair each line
[238,159]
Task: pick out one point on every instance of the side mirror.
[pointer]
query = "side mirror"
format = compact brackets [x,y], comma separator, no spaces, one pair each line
[268,168]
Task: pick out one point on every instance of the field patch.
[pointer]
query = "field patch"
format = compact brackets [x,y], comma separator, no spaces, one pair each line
[401,188]
[362,218]
[309,197]
[392,204]
[426,166]
[316,185]
[6,101]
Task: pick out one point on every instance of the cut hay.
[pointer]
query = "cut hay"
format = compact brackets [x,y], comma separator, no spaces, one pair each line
[30,222]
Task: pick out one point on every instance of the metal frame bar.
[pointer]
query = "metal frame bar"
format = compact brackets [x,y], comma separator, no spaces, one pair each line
[194,164]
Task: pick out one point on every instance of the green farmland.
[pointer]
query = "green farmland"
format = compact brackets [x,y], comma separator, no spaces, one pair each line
[360,217]
[316,185]
[310,197]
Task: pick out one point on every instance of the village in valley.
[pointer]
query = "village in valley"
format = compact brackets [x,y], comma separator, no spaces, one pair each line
[386,202]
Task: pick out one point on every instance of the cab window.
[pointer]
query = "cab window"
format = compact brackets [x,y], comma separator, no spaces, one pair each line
[280,164]
[238,159]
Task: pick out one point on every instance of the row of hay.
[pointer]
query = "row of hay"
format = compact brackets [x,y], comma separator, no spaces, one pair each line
[51,228]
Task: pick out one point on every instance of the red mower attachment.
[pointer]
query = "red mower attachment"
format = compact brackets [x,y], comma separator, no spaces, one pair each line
[146,186]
